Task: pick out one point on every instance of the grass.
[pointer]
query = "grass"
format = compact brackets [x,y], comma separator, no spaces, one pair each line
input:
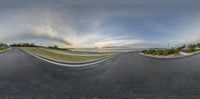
[78,52]
[3,49]
[44,52]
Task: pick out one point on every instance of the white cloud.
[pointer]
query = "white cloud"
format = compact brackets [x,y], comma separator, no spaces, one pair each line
[81,24]
[54,26]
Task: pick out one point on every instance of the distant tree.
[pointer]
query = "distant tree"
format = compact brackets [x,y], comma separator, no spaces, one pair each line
[53,47]
[198,45]
[23,45]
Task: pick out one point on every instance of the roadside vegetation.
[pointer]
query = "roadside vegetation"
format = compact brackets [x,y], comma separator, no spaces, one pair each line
[162,52]
[190,48]
[60,55]
[3,47]
[24,45]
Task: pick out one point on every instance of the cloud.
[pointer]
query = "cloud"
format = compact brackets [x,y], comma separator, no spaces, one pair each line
[93,23]
[52,26]
[24,25]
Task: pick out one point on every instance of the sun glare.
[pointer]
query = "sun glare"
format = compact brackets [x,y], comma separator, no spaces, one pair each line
[100,47]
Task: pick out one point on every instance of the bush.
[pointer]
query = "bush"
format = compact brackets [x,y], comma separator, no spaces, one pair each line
[57,48]
[190,50]
[161,52]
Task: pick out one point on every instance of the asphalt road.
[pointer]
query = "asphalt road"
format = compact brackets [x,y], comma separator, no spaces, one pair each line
[126,76]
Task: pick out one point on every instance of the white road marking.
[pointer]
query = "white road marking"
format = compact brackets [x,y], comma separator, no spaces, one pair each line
[70,65]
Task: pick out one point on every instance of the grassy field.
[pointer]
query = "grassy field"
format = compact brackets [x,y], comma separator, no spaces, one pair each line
[78,52]
[61,56]
[81,53]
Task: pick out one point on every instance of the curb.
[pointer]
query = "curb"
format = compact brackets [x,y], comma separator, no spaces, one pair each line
[69,64]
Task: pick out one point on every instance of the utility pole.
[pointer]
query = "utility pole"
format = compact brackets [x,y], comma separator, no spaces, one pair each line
[186,46]
[168,45]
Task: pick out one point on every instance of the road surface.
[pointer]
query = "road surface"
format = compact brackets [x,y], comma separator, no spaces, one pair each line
[126,76]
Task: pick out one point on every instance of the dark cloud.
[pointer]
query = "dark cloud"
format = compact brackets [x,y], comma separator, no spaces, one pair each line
[105,5]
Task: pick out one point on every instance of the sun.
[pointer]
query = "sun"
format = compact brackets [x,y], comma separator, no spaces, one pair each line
[100,47]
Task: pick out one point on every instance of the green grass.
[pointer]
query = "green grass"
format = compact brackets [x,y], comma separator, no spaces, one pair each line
[77,52]
[62,57]
[3,49]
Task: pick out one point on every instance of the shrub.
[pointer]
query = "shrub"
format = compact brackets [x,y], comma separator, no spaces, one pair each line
[163,52]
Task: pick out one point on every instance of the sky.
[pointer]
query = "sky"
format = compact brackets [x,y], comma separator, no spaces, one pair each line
[100,23]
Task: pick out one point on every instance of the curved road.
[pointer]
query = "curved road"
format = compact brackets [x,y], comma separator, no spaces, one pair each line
[126,76]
